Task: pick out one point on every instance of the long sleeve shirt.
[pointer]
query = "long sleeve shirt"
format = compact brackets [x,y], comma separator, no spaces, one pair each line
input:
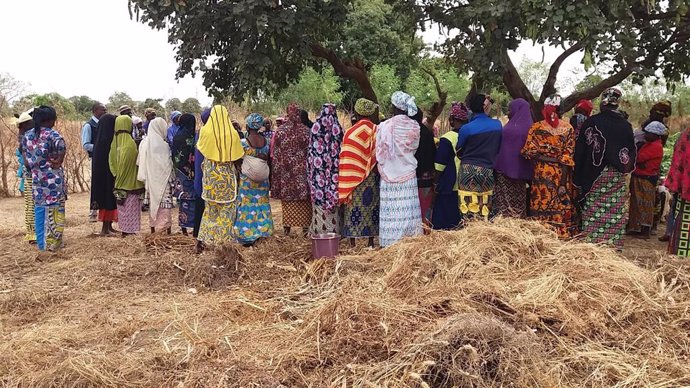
[86,140]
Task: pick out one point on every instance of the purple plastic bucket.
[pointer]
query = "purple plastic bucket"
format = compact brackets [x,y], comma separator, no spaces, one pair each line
[325,245]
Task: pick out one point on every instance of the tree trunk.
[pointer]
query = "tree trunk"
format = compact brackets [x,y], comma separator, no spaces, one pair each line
[354,70]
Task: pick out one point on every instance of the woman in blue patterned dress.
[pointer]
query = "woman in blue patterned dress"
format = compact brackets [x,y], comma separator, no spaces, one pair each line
[254,219]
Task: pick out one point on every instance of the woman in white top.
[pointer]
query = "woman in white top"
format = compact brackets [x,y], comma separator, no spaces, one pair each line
[397,140]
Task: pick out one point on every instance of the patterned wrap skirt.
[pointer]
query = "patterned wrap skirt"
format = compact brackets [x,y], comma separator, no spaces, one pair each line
[186,213]
[475,189]
[680,238]
[220,195]
[510,197]
[604,213]
[29,208]
[642,203]
[254,219]
[361,214]
[324,221]
[50,225]
[296,213]
[129,214]
[400,213]
[552,198]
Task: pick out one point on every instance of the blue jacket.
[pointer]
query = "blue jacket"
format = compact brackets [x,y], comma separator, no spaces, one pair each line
[480,140]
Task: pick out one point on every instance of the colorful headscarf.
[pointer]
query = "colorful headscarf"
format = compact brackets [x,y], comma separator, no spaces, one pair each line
[174,115]
[254,121]
[459,111]
[404,102]
[219,141]
[585,106]
[550,110]
[357,157]
[289,148]
[655,128]
[611,97]
[123,156]
[662,108]
[365,107]
[324,158]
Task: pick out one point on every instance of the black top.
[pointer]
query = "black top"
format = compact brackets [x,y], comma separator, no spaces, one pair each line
[605,140]
[425,155]
[102,180]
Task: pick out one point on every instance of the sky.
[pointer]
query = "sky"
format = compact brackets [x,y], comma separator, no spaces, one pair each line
[73,47]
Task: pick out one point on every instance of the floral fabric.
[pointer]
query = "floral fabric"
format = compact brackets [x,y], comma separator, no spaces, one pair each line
[289,179]
[48,181]
[552,195]
[324,158]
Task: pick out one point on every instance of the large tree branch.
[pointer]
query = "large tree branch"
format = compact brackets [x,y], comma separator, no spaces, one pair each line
[353,70]
[514,84]
[681,34]
[550,83]
[438,106]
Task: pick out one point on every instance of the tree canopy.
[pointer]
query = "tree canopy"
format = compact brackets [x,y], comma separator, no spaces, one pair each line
[257,46]
[173,104]
[191,105]
[630,37]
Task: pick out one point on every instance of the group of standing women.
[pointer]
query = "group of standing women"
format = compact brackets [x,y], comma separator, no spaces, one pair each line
[384,180]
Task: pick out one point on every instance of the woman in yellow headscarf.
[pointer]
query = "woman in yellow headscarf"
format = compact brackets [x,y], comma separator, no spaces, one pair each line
[123,165]
[220,144]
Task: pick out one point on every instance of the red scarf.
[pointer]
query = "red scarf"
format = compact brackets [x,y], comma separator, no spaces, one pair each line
[550,115]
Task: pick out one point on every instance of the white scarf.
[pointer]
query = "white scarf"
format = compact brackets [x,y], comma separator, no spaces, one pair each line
[397,140]
[155,163]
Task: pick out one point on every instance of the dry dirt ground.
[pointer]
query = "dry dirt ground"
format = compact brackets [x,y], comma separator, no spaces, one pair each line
[146,311]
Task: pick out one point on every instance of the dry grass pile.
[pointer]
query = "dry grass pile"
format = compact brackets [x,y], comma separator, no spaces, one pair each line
[503,304]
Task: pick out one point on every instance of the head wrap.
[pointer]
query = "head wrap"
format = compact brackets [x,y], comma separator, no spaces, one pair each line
[404,102]
[365,107]
[123,156]
[155,164]
[459,111]
[550,109]
[655,128]
[509,161]
[148,111]
[585,106]
[254,121]
[289,158]
[205,115]
[136,120]
[174,115]
[662,108]
[219,141]
[182,147]
[102,179]
[611,97]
